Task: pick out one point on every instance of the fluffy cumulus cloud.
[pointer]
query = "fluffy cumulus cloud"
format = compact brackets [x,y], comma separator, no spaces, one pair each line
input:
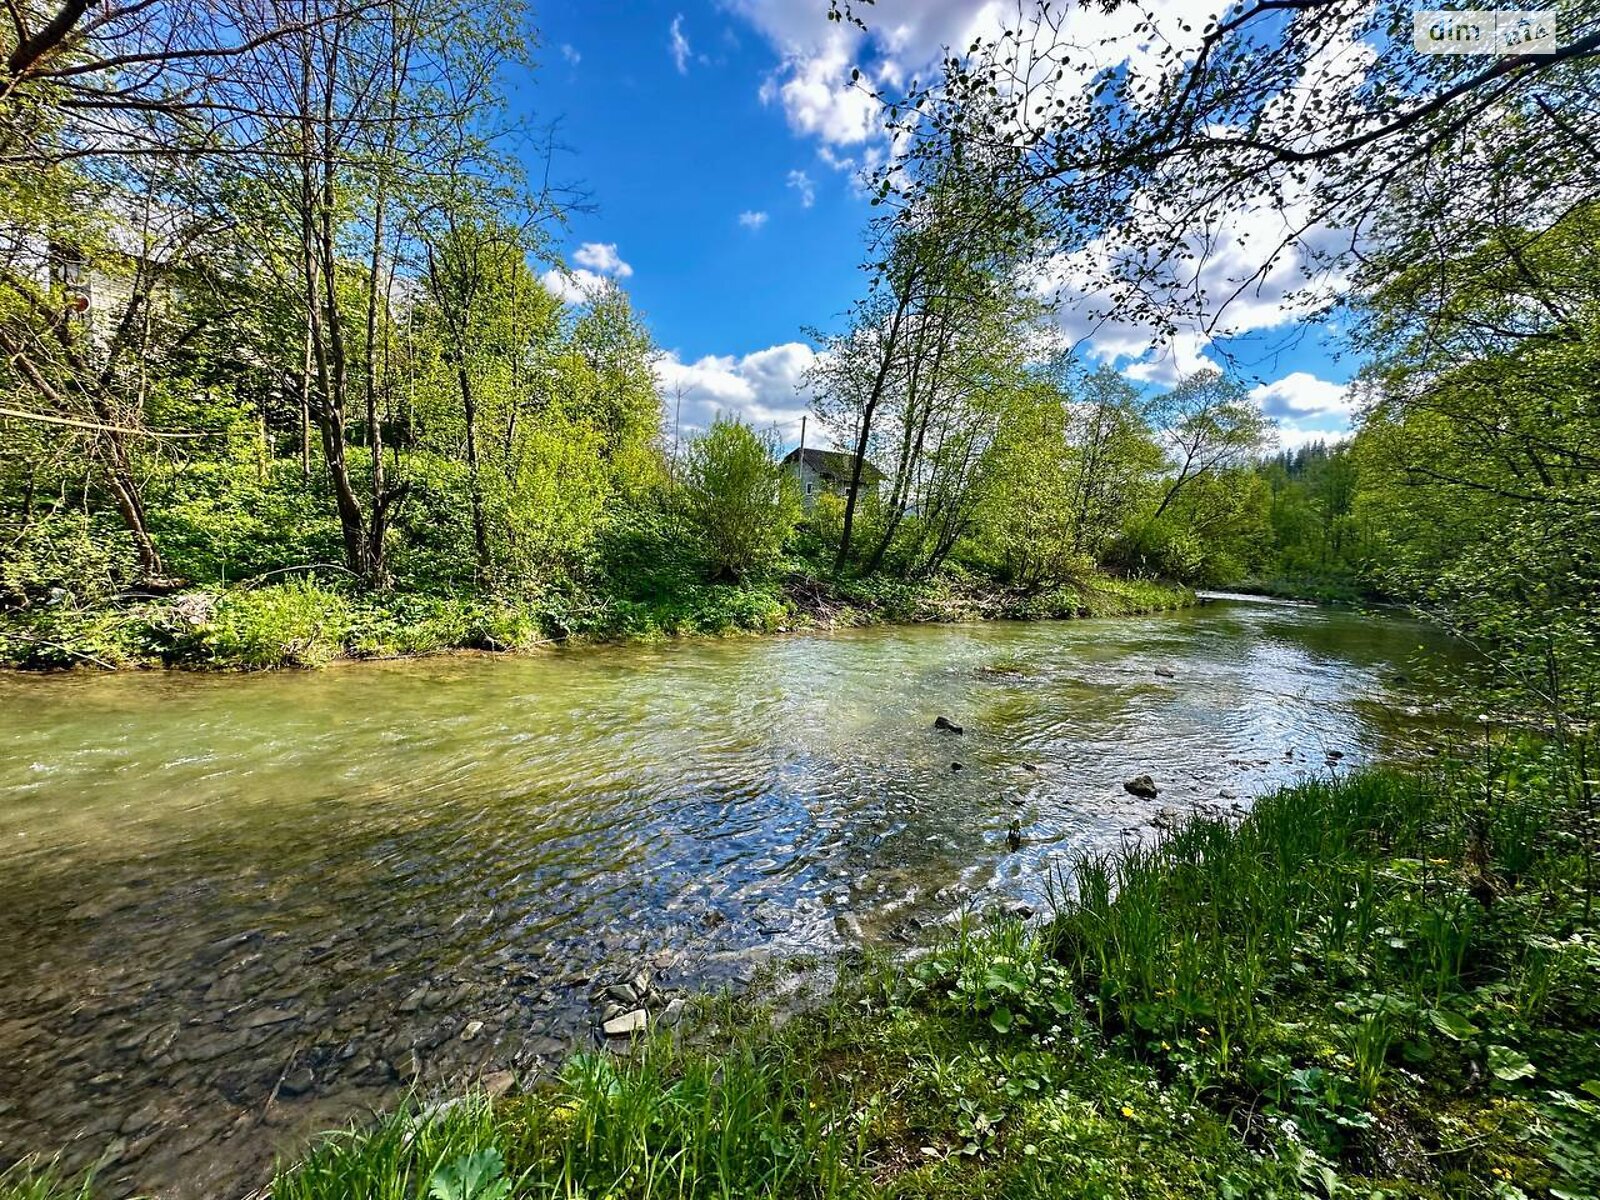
[602,257]
[752,221]
[1306,409]
[906,39]
[763,388]
[812,82]
[1302,396]
[597,264]
[1291,437]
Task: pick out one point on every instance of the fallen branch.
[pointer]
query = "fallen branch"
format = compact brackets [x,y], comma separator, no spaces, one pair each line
[47,419]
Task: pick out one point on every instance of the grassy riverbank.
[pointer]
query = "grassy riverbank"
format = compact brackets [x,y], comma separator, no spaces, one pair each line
[304,623]
[1376,986]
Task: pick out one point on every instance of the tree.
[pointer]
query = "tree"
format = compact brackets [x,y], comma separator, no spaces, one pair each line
[1137,152]
[739,498]
[1027,511]
[91,82]
[942,313]
[1114,460]
[852,377]
[86,320]
[351,117]
[1206,424]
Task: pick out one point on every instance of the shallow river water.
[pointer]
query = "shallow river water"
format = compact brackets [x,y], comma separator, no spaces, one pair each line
[235,910]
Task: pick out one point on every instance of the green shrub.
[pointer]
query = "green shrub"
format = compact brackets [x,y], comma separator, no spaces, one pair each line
[739,498]
[294,624]
[63,557]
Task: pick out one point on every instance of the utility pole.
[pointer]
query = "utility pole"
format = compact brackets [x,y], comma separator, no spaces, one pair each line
[800,460]
[677,411]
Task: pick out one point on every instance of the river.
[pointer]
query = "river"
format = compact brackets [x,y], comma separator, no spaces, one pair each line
[235,910]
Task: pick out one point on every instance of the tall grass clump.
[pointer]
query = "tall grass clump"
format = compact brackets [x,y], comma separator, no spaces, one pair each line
[443,1152]
[664,1121]
[32,1179]
[1363,963]
[668,1124]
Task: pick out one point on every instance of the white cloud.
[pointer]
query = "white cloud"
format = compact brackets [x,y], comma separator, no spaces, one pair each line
[908,38]
[680,45]
[802,183]
[570,54]
[598,264]
[818,98]
[1306,409]
[575,286]
[753,221]
[1301,395]
[1217,273]
[763,387]
[602,257]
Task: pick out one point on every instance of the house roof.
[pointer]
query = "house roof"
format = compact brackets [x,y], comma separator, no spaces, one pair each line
[835,463]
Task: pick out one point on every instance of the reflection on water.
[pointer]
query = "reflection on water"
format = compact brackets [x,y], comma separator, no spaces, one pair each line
[234,910]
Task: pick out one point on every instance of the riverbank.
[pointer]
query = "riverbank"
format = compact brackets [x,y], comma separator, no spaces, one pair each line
[1374,985]
[306,623]
[1314,590]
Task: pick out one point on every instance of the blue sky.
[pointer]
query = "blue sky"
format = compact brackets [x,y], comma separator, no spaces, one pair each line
[719,145]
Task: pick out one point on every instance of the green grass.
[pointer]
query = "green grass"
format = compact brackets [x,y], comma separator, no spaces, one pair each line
[300,623]
[1384,985]
[31,1179]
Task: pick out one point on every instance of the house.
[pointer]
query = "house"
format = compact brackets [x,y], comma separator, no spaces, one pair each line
[819,471]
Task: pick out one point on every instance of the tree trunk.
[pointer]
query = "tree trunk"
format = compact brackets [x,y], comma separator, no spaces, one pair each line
[374,421]
[120,475]
[480,532]
[878,384]
[305,411]
[125,492]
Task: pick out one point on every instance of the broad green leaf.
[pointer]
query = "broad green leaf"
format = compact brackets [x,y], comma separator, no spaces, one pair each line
[1507,1065]
[478,1176]
[1452,1025]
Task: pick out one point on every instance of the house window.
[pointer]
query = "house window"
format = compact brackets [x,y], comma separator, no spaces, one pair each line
[69,272]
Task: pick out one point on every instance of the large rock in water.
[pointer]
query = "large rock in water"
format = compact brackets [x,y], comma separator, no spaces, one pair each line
[1142,786]
[947,724]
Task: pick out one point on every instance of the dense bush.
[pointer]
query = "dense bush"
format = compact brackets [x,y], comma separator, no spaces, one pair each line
[743,505]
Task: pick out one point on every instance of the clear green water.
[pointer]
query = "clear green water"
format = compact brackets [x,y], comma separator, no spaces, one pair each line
[220,896]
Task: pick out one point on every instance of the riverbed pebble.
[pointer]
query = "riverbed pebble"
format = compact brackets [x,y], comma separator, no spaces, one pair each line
[1142,786]
[297,1082]
[628,1022]
[499,1083]
[140,1120]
